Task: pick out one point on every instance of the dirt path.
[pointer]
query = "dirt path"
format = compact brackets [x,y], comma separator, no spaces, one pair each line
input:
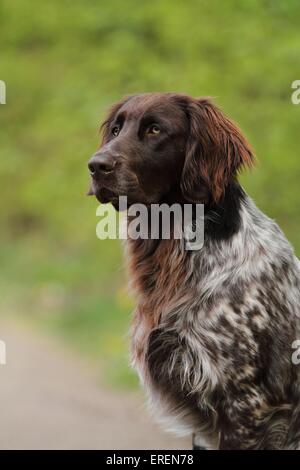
[49,400]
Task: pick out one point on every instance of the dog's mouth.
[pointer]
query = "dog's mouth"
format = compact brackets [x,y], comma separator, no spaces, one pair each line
[106,195]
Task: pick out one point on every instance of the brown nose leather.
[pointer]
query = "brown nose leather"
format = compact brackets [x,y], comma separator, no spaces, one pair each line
[101,164]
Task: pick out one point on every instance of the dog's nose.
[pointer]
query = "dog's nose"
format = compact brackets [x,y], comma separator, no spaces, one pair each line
[101,163]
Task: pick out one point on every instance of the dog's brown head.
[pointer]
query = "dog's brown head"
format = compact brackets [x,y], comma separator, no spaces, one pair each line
[167,147]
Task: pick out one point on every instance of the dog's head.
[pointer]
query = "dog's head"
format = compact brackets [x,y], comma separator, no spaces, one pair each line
[167,147]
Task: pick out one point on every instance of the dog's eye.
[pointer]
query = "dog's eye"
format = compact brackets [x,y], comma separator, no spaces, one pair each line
[154,129]
[115,130]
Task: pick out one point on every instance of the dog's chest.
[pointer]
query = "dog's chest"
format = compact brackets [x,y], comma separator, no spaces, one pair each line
[174,374]
[159,280]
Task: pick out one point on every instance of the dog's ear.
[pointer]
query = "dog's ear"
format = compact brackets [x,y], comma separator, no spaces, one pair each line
[215,151]
[105,126]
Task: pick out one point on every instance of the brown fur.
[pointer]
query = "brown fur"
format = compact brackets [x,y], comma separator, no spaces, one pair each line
[216,150]
[150,276]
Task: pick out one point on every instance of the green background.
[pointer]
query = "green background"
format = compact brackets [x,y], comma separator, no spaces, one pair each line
[64,62]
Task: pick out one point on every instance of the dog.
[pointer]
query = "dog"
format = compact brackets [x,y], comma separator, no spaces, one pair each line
[214,329]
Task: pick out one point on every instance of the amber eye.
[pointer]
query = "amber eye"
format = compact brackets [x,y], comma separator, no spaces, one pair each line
[115,130]
[154,129]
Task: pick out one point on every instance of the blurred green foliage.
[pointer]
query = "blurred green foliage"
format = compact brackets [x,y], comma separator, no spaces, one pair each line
[64,62]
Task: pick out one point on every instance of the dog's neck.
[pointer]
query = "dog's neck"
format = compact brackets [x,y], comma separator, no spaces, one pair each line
[148,258]
[221,221]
